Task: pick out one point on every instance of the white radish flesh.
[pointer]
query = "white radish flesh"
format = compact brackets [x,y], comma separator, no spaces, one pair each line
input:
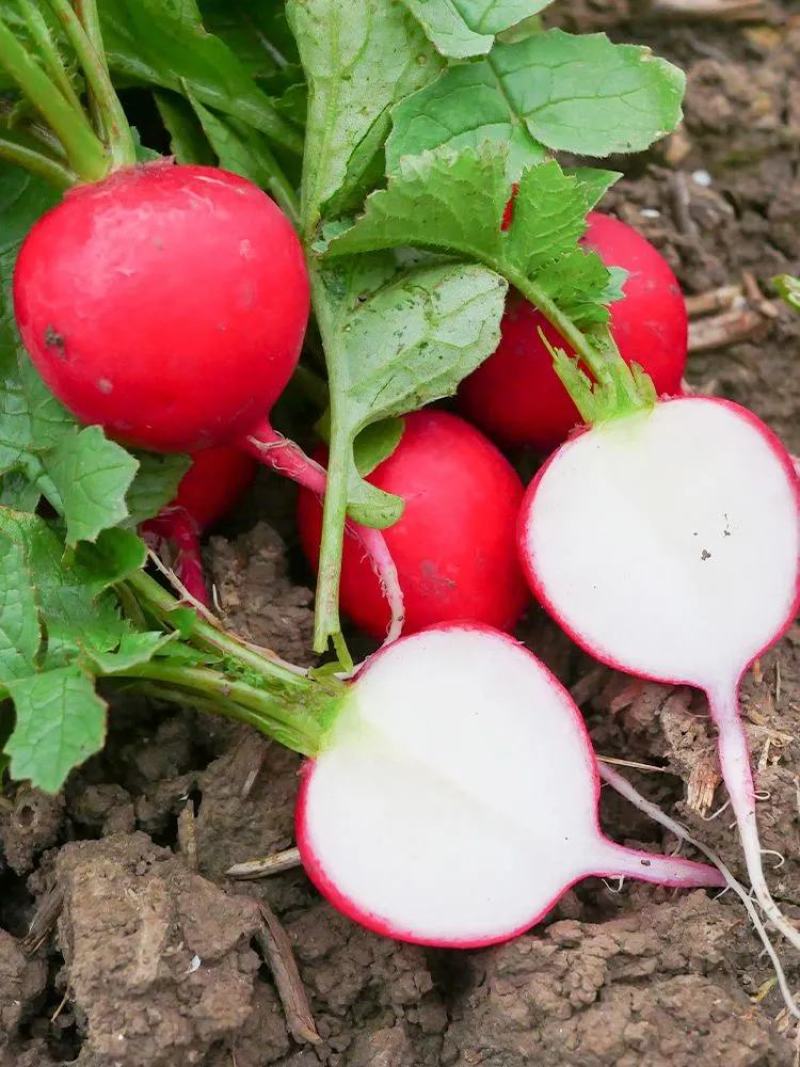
[667,544]
[455,799]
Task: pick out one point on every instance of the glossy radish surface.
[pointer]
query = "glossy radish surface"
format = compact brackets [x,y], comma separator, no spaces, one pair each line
[517,397]
[455,798]
[165,303]
[667,544]
[454,545]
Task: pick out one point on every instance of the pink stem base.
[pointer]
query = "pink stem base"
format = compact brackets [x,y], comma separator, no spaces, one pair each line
[285,457]
[174,526]
[654,867]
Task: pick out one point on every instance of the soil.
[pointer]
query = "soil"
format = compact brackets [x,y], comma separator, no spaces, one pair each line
[143,952]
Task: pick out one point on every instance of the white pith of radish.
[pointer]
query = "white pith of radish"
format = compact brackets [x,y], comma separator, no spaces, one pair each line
[667,544]
[456,796]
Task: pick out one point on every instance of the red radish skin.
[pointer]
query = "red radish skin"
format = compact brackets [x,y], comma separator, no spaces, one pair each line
[710,502]
[166,303]
[212,486]
[516,395]
[454,546]
[534,730]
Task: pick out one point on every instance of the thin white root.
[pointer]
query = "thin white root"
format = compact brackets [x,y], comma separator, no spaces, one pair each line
[625,789]
[737,773]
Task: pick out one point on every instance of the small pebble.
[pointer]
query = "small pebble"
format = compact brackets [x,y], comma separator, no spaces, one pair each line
[702,177]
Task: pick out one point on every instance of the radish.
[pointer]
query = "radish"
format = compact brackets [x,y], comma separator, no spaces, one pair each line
[666,544]
[165,303]
[454,798]
[454,546]
[210,488]
[517,397]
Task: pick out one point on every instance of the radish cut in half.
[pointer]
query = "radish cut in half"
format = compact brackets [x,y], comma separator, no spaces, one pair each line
[455,798]
[667,544]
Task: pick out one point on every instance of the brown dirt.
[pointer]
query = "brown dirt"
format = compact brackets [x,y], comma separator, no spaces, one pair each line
[152,962]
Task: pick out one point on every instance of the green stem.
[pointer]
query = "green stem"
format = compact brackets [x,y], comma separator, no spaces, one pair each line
[312,386]
[299,724]
[84,150]
[326,618]
[42,38]
[36,162]
[623,390]
[279,186]
[162,604]
[92,60]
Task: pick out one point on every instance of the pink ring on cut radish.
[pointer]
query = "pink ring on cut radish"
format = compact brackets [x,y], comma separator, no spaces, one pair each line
[667,544]
[455,797]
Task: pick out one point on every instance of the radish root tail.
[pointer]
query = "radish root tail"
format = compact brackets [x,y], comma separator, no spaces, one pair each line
[622,786]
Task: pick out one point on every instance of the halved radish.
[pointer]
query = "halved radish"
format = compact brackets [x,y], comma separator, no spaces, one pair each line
[455,798]
[667,544]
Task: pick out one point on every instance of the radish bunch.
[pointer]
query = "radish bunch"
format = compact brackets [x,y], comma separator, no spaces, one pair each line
[450,792]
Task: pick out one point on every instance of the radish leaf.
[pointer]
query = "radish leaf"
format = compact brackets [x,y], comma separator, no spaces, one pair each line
[92,476]
[580,94]
[463,28]
[359,58]
[19,615]
[152,44]
[455,202]
[61,721]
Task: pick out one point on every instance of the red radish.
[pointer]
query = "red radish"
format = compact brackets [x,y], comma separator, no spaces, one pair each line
[454,546]
[455,797]
[165,303]
[517,397]
[666,544]
[210,488]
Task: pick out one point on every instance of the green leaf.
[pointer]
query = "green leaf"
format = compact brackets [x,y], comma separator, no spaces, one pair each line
[456,202]
[133,650]
[578,94]
[19,616]
[92,476]
[359,59]
[256,32]
[376,443]
[788,289]
[155,485]
[155,45]
[61,721]
[408,343]
[71,588]
[187,142]
[464,107]
[463,28]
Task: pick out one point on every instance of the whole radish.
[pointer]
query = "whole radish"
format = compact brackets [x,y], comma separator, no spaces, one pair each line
[454,796]
[165,303]
[454,546]
[517,397]
[667,544]
[212,486]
